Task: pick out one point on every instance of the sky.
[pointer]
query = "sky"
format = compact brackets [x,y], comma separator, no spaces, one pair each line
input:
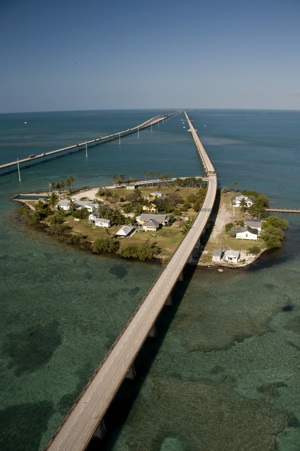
[118,54]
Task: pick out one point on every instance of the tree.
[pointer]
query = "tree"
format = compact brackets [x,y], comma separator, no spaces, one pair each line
[235,185]
[70,181]
[53,199]
[243,205]
[272,236]
[277,222]
[105,245]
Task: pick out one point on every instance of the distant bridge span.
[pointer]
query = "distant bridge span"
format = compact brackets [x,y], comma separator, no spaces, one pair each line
[45,156]
[80,424]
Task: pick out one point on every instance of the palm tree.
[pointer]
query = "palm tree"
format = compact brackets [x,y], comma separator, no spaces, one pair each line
[235,185]
[69,181]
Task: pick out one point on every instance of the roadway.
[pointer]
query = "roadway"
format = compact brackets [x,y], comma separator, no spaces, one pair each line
[78,427]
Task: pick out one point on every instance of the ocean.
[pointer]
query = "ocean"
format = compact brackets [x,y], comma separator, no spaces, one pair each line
[223,372]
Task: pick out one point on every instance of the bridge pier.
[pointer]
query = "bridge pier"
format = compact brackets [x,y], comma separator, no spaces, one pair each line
[101,430]
[131,373]
[169,301]
[152,332]
[181,277]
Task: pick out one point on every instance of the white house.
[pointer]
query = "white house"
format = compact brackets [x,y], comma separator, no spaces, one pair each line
[151,225]
[64,204]
[101,222]
[231,256]
[90,206]
[125,231]
[93,217]
[236,201]
[247,233]
[254,224]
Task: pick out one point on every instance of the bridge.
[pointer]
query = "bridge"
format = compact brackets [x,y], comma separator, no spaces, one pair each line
[86,415]
[41,157]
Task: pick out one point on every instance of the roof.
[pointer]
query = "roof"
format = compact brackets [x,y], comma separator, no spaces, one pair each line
[159,218]
[231,253]
[64,203]
[102,221]
[217,253]
[247,229]
[253,223]
[125,230]
[151,223]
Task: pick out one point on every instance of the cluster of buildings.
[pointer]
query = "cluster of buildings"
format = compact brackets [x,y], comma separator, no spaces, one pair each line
[148,222]
[251,231]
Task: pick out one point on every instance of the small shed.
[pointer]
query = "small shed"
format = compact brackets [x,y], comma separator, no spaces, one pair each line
[217,255]
[231,256]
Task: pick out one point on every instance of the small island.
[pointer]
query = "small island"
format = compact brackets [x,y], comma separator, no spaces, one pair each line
[147,220]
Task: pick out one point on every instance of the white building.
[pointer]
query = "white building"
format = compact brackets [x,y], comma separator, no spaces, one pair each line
[236,201]
[247,233]
[64,204]
[125,231]
[150,226]
[217,255]
[161,219]
[101,222]
[231,256]
[254,224]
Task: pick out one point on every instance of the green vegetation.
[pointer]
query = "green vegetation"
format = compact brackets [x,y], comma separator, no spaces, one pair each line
[272,226]
[144,251]
[59,186]
[105,246]
[260,203]
[180,200]
[273,231]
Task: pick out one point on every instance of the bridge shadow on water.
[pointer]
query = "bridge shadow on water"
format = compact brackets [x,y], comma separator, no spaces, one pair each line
[120,407]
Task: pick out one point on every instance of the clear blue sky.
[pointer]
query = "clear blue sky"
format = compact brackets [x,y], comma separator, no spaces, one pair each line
[96,54]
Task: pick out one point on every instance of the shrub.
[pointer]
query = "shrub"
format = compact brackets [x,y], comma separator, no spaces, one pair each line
[105,245]
[254,250]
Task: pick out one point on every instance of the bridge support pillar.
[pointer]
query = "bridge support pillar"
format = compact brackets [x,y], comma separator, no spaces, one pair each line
[101,430]
[180,278]
[152,332]
[131,373]
[169,301]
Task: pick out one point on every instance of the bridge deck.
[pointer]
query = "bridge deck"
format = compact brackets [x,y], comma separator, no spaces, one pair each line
[80,424]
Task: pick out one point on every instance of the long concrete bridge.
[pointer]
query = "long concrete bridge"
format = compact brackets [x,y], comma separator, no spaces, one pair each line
[86,415]
[41,157]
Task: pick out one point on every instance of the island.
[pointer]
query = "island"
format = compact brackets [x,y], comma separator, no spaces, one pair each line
[147,220]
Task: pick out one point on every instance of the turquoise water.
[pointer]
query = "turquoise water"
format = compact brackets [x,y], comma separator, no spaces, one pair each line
[223,373]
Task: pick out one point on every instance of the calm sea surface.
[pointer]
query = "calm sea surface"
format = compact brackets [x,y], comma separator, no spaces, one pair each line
[224,372]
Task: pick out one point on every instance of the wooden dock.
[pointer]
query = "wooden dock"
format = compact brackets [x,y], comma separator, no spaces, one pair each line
[283,210]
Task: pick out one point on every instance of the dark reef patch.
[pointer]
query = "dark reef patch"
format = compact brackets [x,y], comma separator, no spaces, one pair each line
[119,271]
[32,347]
[31,420]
